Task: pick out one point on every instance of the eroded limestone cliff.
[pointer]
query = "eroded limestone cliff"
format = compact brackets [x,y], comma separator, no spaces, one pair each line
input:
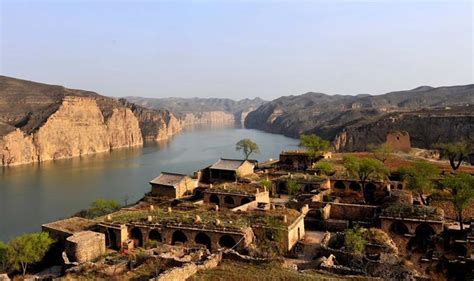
[76,128]
[430,115]
[424,128]
[40,122]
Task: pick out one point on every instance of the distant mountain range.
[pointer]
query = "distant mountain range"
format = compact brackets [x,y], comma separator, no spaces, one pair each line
[330,115]
[203,110]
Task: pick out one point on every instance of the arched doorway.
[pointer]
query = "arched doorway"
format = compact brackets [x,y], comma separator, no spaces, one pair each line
[339,185]
[229,200]
[179,236]
[154,235]
[226,241]
[137,237]
[398,228]
[111,239]
[203,239]
[354,186]
[244,200]
[423,240]
[214,199]
[370,192]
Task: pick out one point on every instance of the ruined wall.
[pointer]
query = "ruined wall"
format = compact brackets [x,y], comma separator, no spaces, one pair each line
[296,232]
[353,212]
[77,128]
[398,141]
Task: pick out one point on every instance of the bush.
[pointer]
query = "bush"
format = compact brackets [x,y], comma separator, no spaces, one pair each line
[354,240]
[293,187]
[101,207]
[324,168]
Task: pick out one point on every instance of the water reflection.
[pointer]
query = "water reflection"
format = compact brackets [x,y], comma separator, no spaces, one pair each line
[38,193]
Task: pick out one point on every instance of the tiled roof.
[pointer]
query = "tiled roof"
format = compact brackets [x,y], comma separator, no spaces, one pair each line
[168,179]
[227,164]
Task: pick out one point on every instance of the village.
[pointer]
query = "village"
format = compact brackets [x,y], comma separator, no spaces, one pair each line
[310,214]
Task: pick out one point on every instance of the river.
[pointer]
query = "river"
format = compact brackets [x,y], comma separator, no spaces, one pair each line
[31,195]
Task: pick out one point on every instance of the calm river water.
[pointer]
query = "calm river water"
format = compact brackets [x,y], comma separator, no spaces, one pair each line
[31,195]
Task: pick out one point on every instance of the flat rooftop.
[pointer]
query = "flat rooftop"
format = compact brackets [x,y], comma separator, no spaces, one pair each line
[71,225]
[208,216]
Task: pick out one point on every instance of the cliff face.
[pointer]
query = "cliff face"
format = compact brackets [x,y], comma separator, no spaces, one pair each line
[76,128]
[425,129]
[155,124]
[40,122]
[354,121]
[209,118]
[207,111]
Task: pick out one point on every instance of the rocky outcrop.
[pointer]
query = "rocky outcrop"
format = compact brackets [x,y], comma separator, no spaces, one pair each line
[76,128]
[155,124]
[425,129]
[209,118]
[40,122]
[352,122]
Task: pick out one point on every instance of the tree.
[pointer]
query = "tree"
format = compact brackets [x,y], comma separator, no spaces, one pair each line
[27,249]
[101,207]
[381,152]
[419,177]
[354,239]
[266,183]
[3,257]
[324,168]
[364,169]
[461,187]
[248,147]
[292,186]
[314,144]
[455,152]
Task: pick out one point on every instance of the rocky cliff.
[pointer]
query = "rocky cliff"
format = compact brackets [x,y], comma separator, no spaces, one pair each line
[354,121]
[40,122]
[424,127]
[208,111]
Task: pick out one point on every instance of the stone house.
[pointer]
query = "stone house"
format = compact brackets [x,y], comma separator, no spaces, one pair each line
[299,159]
[230,169]
[172,185]
[231,199]
[374,190]
[85,246]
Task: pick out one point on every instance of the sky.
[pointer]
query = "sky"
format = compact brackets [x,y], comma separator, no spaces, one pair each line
[238,49]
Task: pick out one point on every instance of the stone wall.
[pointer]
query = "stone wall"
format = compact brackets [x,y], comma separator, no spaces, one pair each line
[399,141]
[353,212]
[85,246]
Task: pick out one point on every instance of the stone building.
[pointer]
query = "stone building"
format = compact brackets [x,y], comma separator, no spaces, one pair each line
[399,141]
[60,230]
[85,246]
[299,159]
[230,169]
[374,190]
[231,199]
[172,185]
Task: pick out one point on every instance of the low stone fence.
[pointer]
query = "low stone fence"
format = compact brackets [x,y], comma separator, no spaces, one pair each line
[245,207]
[233,255]
[189,269]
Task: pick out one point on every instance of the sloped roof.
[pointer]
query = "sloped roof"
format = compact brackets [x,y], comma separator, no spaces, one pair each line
[227,164]
[168,179]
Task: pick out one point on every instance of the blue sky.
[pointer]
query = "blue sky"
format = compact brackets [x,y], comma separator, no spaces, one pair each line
[238,49]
